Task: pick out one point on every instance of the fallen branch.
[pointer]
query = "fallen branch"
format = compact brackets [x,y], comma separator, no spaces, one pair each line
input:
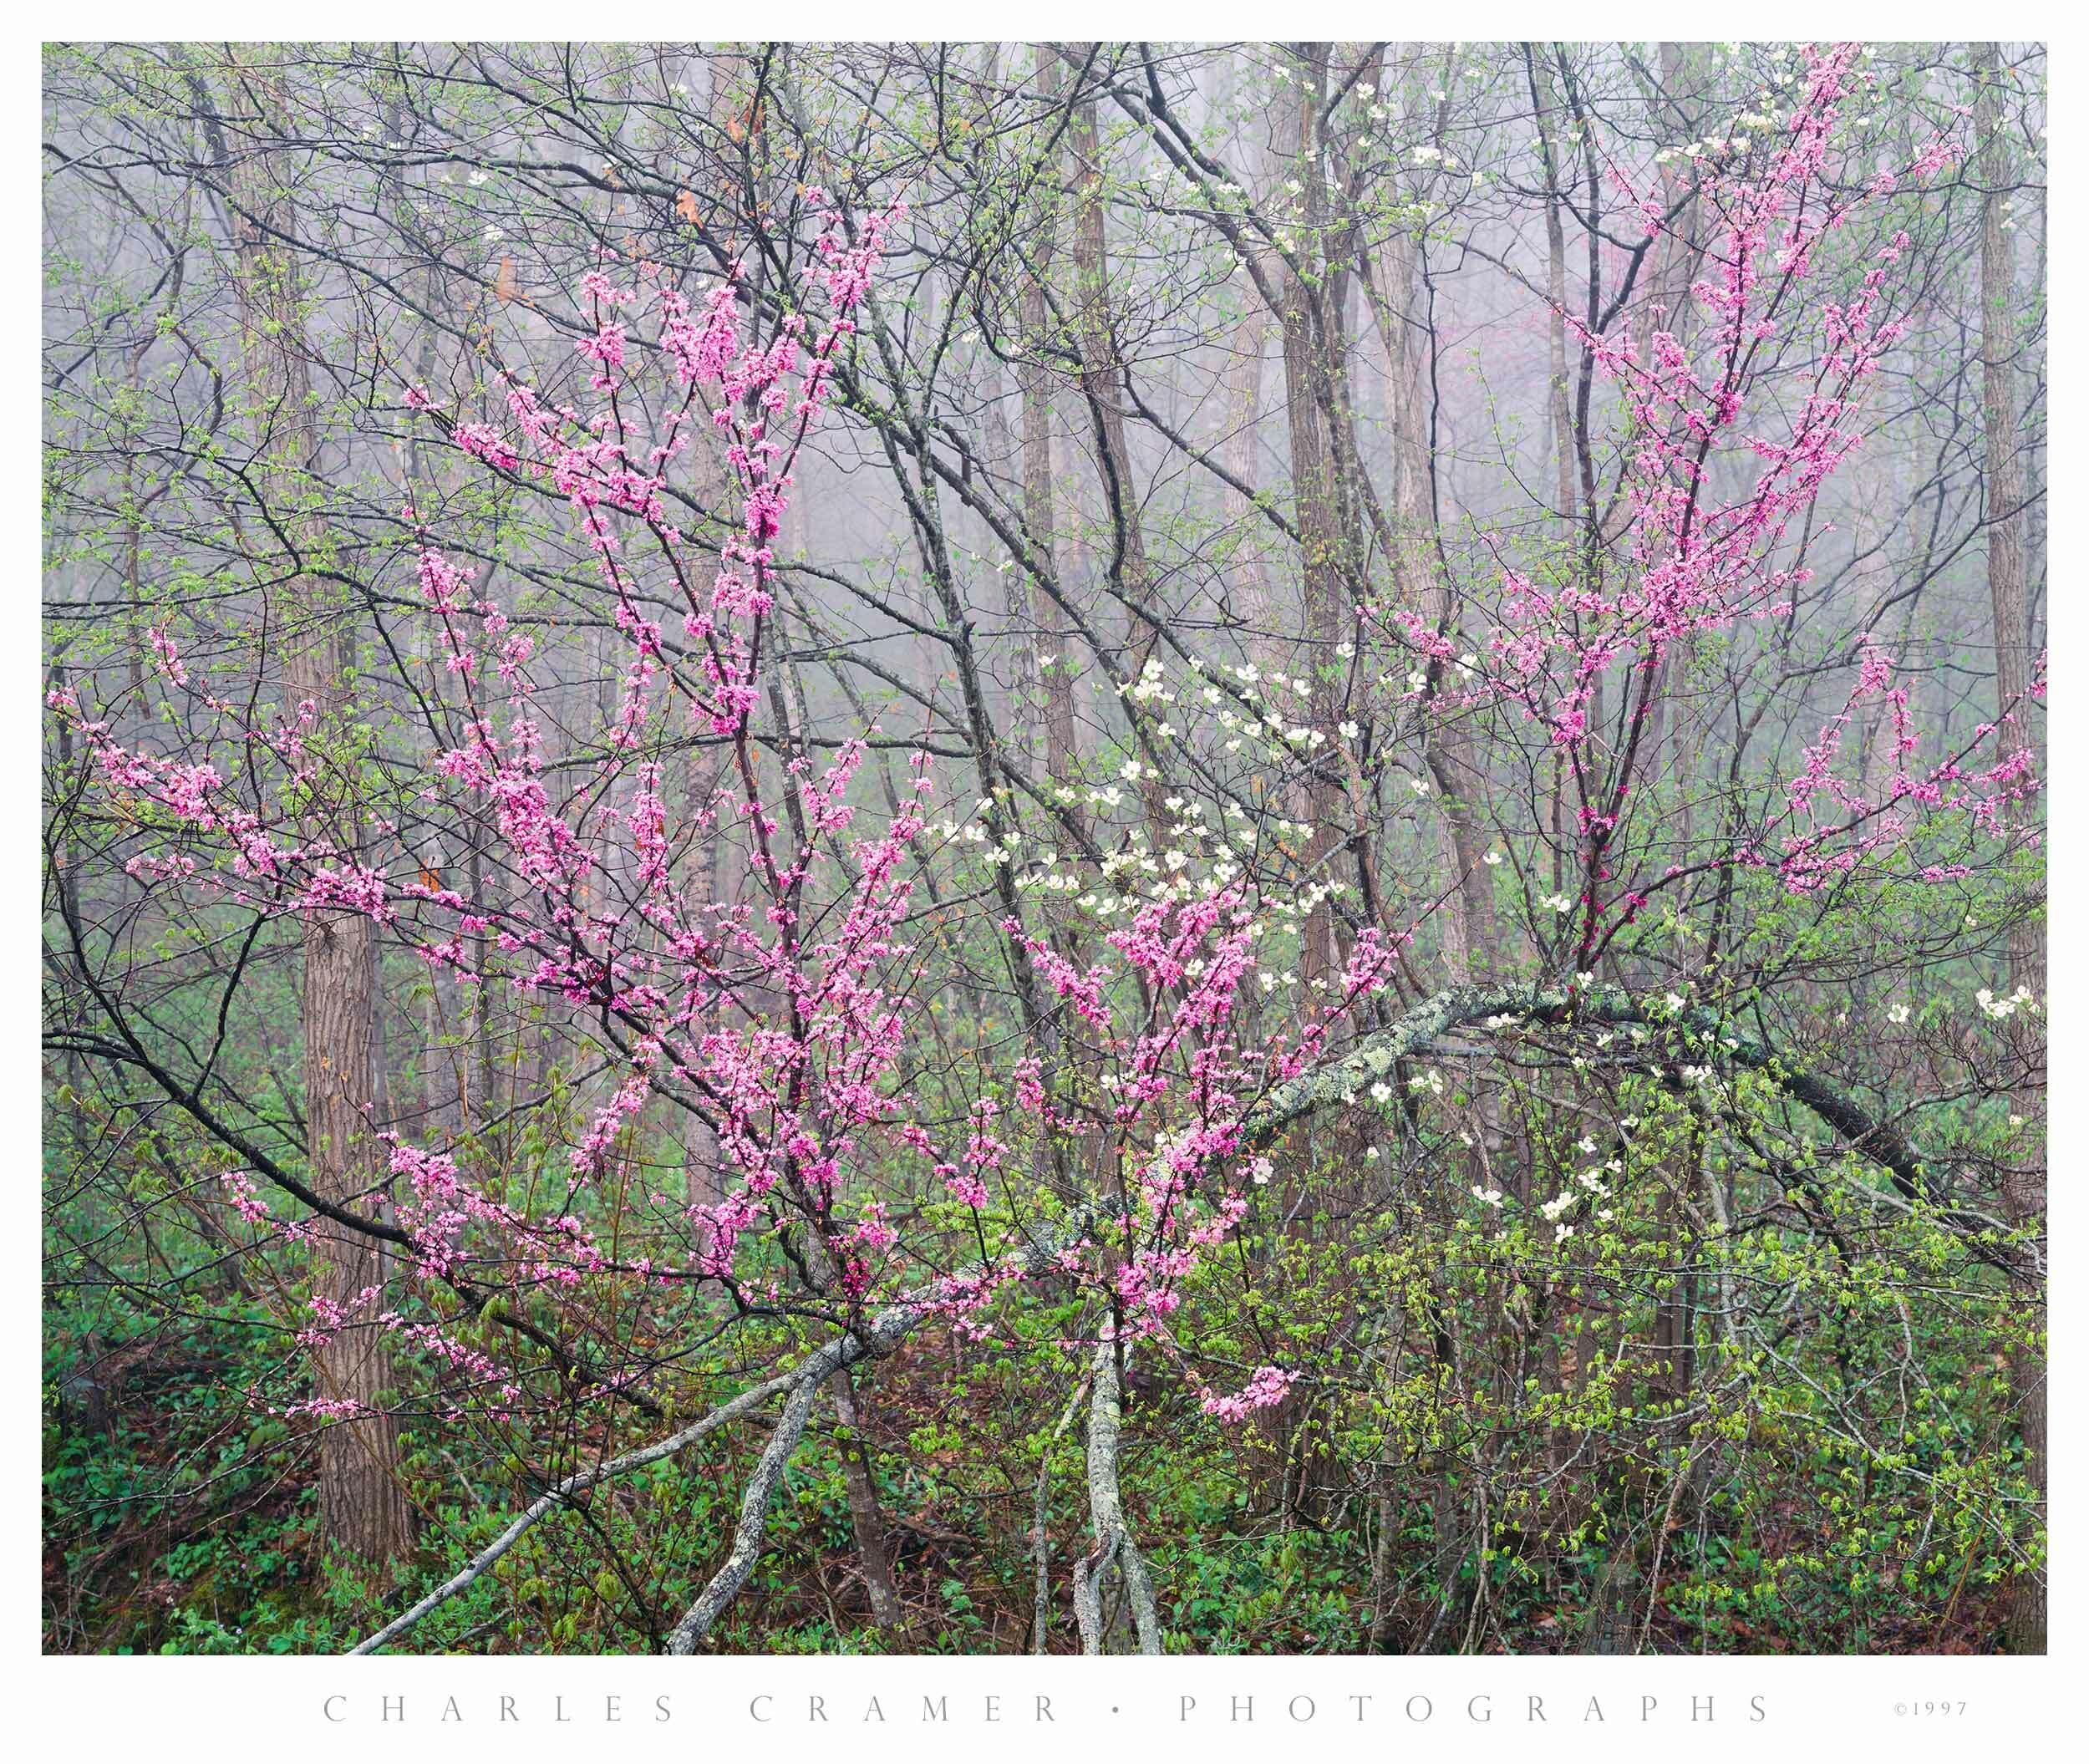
[891,1326]
[563,1493]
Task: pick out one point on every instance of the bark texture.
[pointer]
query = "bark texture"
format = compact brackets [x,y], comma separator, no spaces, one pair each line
[2024,1188]
[364,1512]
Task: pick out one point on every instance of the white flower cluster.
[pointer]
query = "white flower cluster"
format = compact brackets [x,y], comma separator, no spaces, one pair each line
[1713,145]
[1152,685]
[1998,1008]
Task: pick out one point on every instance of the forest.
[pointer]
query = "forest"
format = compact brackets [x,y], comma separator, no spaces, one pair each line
[1044,848]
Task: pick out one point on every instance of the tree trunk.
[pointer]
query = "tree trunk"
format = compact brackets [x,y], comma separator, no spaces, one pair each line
[1307,320]
[1471,937]
[2023,1186]
[363,1499]
[865,1518]
[1100,370]
[1055,669]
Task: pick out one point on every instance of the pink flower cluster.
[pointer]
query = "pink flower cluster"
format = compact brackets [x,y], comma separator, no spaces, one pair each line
[775,1022]
[1704,562]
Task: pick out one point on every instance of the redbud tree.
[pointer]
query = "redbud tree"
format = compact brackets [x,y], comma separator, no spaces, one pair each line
[759,1198]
